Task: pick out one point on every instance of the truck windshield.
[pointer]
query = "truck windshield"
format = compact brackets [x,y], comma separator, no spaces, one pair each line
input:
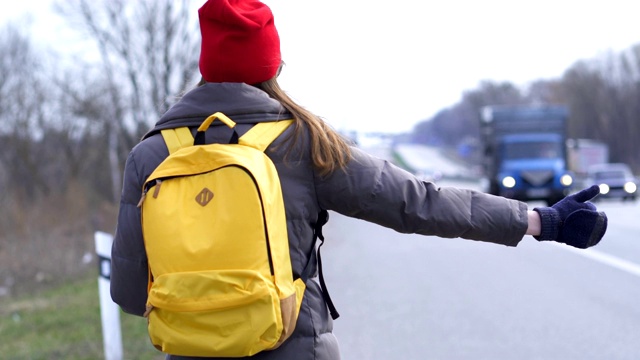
[610,174]
[532,150]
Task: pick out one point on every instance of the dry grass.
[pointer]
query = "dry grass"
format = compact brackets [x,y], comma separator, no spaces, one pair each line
[49,303]
[49,241]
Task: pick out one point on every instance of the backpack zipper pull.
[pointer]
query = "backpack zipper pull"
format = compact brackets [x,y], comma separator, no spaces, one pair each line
[157,189]
[144,195]
[147,310]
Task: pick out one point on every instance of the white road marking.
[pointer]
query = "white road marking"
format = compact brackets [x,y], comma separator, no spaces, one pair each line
[613,261]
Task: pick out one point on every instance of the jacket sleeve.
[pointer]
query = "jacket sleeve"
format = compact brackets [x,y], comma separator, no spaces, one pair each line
[129,272]
[375,190]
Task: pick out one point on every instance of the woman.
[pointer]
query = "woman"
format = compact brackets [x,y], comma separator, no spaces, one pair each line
[318,170]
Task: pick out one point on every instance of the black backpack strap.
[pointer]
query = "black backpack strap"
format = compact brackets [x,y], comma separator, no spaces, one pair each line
[323,217]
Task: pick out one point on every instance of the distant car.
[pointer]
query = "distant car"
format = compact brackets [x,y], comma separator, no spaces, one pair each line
[615,180]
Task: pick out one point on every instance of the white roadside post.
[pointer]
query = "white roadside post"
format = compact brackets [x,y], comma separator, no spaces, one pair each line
[109,311]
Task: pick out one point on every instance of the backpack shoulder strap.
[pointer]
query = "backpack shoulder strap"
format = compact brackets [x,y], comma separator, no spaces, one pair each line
[261,135]
[177,138]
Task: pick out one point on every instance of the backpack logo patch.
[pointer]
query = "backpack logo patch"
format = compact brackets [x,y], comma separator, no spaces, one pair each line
[204,197]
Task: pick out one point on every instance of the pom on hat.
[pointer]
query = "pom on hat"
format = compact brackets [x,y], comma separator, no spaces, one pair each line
[240,42]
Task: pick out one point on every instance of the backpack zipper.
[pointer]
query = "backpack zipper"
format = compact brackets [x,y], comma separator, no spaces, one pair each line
[157,183]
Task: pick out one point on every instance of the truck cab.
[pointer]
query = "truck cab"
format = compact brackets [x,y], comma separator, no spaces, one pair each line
[524,152]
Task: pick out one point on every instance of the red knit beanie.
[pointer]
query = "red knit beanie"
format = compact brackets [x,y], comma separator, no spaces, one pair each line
[240,42]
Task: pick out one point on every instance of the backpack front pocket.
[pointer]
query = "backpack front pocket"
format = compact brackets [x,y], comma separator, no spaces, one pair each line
[230,313]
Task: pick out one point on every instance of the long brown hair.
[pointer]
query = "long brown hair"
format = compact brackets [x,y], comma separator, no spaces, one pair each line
[329,150]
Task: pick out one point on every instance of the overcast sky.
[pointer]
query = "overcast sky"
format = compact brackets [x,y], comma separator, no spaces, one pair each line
[384,66]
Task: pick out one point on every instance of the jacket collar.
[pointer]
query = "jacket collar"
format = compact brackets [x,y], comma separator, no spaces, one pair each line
[244,104]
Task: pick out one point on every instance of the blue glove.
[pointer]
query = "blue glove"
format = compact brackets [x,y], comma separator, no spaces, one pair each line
[573,220]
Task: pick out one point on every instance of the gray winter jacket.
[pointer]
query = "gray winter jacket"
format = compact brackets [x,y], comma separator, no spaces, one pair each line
[369,188]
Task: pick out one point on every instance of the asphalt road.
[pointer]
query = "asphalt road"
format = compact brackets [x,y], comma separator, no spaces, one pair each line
[413,297]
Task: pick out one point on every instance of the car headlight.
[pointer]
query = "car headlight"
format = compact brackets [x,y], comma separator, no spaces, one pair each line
[630,187]
[508,182]
[566,180]
[604,189]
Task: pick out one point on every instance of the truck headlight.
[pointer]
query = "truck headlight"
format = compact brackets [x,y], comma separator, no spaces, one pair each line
[508,182]
[604,189]
[630,187]
[566,180]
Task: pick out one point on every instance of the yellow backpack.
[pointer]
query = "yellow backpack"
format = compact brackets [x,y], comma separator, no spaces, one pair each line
[213,220]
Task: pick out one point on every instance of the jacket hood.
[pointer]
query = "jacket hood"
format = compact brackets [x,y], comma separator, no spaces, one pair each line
[244,104]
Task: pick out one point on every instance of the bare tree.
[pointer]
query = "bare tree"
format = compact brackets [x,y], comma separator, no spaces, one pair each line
[22,115]
[461,121]
[545,92]
[603,95]
[148,52]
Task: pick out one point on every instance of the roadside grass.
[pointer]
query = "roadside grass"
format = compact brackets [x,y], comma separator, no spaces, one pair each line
[64,323]
[399,161]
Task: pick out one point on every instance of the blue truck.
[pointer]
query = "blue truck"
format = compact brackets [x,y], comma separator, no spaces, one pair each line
[524,154]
